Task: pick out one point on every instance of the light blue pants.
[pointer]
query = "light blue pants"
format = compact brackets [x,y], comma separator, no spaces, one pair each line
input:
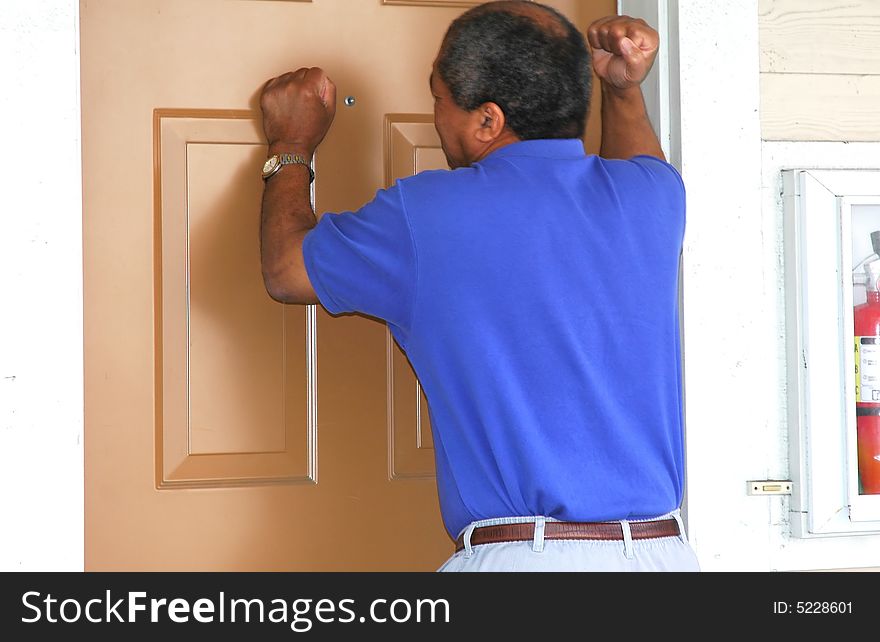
[658,554]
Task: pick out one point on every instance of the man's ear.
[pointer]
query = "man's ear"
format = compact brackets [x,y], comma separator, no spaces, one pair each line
[490,122]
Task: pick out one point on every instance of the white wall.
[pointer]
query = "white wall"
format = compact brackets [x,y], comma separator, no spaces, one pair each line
[733,408]
[734,303]
[41,396]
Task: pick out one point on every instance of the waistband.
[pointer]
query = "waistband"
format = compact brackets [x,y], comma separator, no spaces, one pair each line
[539,528]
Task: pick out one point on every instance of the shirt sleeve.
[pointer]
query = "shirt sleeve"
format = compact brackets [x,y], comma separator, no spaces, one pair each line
[666,184]
[365,261]
[667,175]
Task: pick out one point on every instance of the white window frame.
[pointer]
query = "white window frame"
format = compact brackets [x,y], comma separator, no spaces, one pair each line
[819,320]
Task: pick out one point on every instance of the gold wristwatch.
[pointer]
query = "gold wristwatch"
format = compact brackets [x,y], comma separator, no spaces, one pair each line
[275,162]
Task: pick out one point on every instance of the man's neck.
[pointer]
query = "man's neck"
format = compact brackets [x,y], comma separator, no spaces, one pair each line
[505,139]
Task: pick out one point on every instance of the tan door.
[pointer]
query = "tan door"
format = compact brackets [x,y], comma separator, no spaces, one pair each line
[225,431]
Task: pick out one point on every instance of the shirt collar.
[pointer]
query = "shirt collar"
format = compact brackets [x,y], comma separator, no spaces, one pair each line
[562,148]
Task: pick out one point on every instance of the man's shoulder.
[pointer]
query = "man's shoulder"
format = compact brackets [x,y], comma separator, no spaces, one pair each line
[437,183]
[437,176]
[649,167]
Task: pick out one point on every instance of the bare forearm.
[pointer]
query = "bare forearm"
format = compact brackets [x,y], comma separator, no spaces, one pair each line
[626,129]
[287,216]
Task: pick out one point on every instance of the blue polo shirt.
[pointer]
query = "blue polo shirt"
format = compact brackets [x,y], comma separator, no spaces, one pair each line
[535,294]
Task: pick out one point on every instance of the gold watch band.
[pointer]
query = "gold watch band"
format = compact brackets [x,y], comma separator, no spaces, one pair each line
[292,159]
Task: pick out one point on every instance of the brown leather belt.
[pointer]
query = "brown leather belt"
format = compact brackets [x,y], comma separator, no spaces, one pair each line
[570,530]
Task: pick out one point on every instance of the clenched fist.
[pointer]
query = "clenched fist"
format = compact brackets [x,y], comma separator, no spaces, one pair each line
[624,50]
[298,109]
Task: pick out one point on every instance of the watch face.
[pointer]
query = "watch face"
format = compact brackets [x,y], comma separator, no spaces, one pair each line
[271,164]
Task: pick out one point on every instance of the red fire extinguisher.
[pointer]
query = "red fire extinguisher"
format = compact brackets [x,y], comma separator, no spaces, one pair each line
[867,362]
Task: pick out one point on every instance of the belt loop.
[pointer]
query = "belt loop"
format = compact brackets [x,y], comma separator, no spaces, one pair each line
[468,551]
[627,540]
[677,515]
[538,541]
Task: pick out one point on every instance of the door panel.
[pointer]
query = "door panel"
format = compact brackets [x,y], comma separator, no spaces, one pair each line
[411,146]
[236,386]
[225,431]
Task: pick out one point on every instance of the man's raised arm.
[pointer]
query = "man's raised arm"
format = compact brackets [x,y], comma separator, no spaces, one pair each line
[624,50]
[298,109]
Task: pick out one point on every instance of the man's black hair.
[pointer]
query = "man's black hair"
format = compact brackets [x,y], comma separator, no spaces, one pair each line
[537,71]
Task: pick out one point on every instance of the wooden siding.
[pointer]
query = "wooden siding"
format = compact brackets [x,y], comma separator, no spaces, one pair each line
[820,70]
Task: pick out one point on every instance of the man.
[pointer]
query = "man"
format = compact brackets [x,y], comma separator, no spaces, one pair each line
[534,288]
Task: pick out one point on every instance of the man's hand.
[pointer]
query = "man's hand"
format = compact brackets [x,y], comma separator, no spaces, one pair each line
[624,50]
[298,109]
